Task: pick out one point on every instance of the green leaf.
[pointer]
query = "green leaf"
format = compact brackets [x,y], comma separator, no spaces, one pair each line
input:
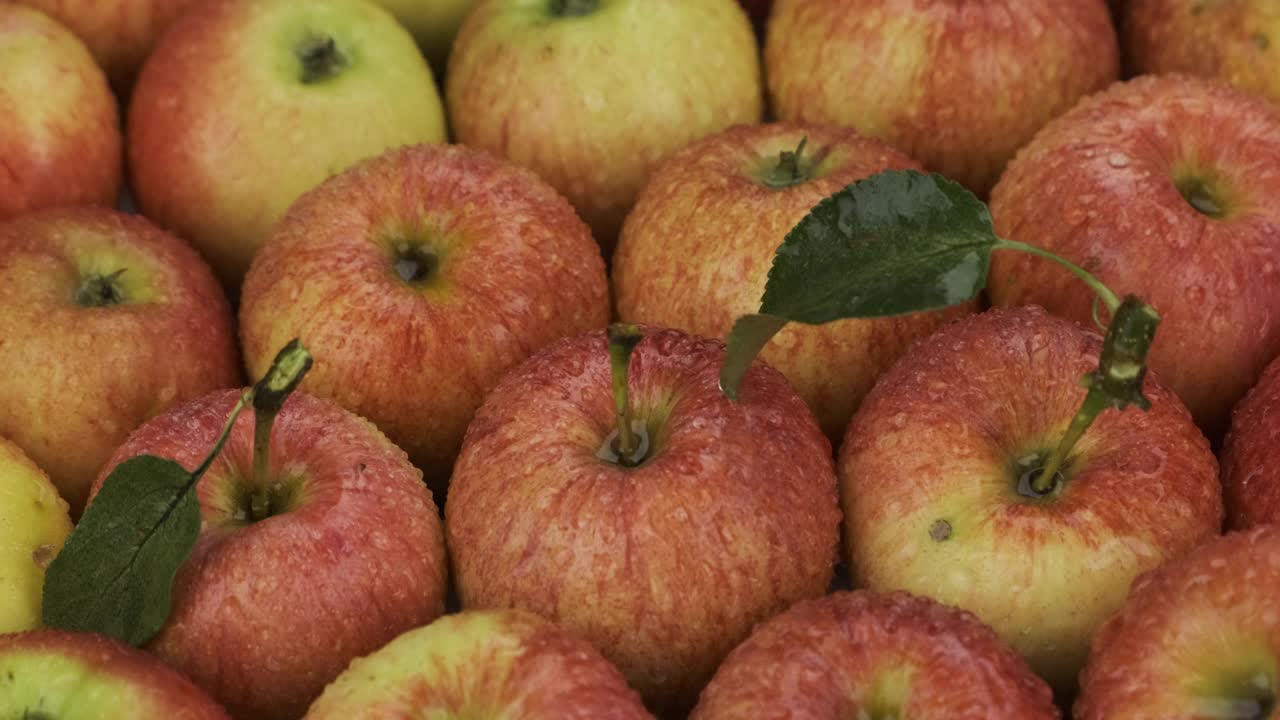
[115,573]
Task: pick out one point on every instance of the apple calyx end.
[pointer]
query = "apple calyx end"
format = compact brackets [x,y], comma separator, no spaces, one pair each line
[320,58]
[100,291]
[573,8]
[416,264]
[1200,195]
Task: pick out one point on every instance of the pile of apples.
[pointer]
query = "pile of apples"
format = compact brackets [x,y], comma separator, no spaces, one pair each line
[485,501]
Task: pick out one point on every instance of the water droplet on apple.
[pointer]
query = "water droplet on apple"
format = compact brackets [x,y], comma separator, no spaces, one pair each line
[1194,294]
[1118,160]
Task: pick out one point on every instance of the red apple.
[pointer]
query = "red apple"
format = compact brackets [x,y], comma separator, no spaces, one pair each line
[863,655]
[1198,638]
[696,251]
[959,86]
[105,321]
[730,517]
[1163,187]
[1250,478]
[56,675]
[246,104]
[119,33]
[276,600]
[59,134]
[1235,41]
[594,94]
[482,664]
[934,481]
[417,280]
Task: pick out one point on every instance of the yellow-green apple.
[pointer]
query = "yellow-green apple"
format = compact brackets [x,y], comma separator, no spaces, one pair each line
[433,24]
[326,556]
[417,279]
[869,656]
[594,94]
[959,86]
[725,515]
[1233,40]
[936,474]
[676,269]
[1198,638]
[34,523]
[105,321]
[505,663]
[58,675]
[1163,187]
[1250,478]
[244,105]
[119,33]
[59,126]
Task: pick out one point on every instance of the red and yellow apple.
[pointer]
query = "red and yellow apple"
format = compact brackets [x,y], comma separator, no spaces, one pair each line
[729,517]
[246,104]
[1198,638]
[1164,187]
[331,555]
[417,280]
[503,663]
[1250,476]
[1232,40]
[60,138]
[863,655]
[935,474]
[105,321]
[594,94]
[57,675]
[696,251]
[959,86]
[34,523]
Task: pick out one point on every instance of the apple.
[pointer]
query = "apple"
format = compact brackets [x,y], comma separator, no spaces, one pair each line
[1234,41]
[1163,187]
[1250,480]
[1198,638]
[34,523]
[244,105]
[863,655]
[58,675]
[417,280]
[935,478]
[119,33]
[663,562]
[594,94]
[432,22]
[278,596]
[60,136]
[959,86]
[105,321]
[696,251]
[505,663]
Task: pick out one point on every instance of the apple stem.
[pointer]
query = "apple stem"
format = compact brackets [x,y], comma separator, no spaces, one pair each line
[789,170]
[1094,403]
[1108,297]
[269,394]
[623,339]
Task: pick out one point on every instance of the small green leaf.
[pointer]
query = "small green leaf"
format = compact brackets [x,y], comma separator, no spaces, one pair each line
[116,571]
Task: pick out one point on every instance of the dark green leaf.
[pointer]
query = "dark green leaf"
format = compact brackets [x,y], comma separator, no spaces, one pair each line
[116,571]
[897,242]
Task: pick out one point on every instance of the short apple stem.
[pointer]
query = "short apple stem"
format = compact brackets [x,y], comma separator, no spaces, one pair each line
[269,394]
[623,339]
[789,170]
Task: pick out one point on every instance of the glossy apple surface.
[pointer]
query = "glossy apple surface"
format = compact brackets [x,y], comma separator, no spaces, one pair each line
[60,136]
[105,321]
[1198,638]
[959,86]
[417,279]
[246,104]
[119,33]
[56,675]
[269,608]
[696,251]
[1235,41]
[433,24]
[505,663]
[930,482]
[33,526]
[1250,476]
[863,655]
[1164,187]
[731,518]
[593,102]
